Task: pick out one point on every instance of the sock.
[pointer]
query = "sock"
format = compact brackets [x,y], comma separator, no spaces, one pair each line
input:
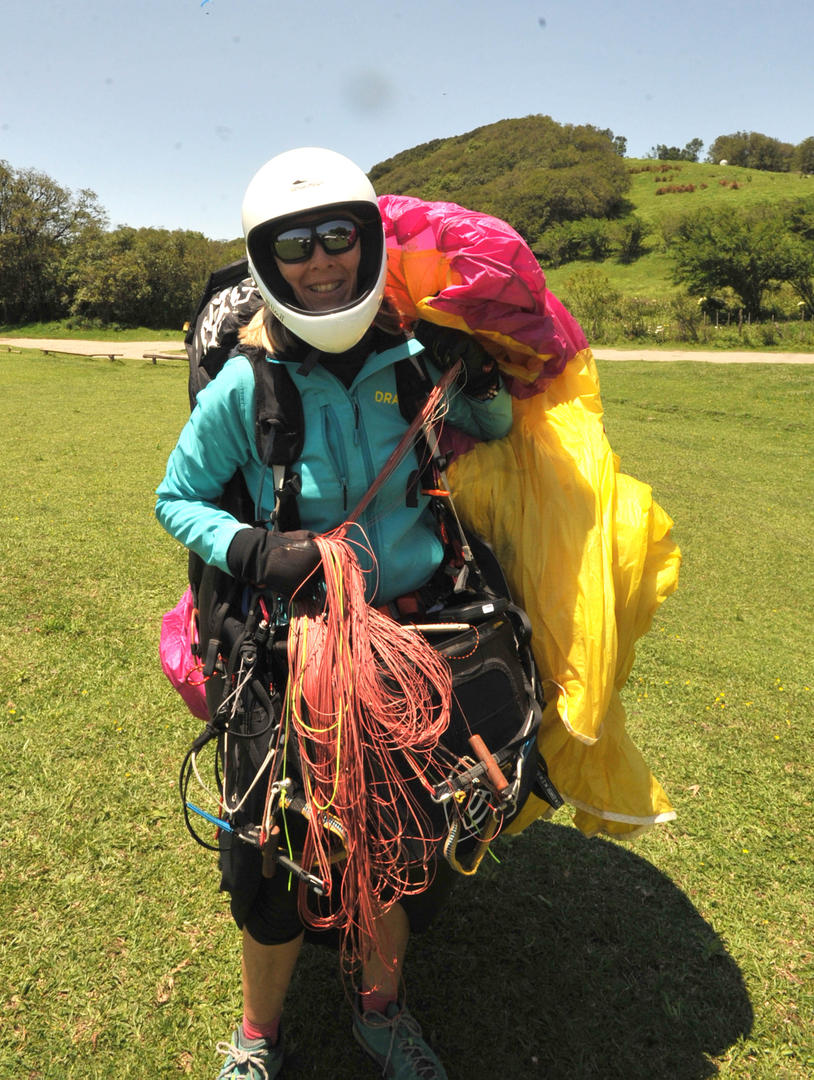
[376,1001]
[270,1031]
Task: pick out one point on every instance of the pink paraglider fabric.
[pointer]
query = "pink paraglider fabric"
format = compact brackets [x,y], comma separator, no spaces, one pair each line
[182,668]
[474,272]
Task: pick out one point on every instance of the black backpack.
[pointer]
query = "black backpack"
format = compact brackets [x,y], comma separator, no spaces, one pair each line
[228,302]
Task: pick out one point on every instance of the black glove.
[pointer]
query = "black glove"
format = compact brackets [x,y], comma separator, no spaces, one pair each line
[480,377]
[279,562]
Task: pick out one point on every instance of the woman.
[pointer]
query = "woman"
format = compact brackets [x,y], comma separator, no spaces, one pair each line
[316,250]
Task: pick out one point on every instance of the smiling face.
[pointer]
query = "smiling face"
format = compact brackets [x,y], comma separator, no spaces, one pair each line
[324,282]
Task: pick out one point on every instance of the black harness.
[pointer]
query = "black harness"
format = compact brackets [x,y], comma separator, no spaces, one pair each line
[466,612]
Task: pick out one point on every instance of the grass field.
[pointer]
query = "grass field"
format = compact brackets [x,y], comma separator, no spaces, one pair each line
[714,186]
[685,956]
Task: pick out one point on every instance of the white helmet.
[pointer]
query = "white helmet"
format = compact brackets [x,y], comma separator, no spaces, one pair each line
[296,183]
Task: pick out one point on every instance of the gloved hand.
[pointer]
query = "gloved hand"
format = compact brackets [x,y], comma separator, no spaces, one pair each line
[279,562]
[480,377]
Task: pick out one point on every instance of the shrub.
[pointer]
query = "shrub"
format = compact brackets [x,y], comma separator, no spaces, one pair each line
[687,314]
[592,299]
[639,317]
[768,333]
[629,235]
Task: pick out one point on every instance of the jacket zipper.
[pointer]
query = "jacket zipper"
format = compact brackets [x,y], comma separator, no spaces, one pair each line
[360,439]
[332,434]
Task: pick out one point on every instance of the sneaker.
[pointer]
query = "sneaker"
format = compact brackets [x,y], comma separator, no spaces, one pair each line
[394,1040]
[250,1059]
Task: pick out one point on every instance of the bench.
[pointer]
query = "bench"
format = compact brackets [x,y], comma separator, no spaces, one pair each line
[154,356]
[66,352]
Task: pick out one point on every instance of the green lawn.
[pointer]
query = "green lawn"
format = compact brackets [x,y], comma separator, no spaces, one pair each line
[684,956]
[649,276]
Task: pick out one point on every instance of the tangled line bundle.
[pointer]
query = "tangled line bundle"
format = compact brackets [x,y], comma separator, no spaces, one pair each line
[368,701]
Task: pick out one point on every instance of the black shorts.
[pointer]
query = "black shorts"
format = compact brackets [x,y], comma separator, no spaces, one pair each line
[267,907]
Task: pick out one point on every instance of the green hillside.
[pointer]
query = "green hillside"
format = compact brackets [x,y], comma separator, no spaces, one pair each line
[532,172]
[650,275]
[712,185]
[660,194]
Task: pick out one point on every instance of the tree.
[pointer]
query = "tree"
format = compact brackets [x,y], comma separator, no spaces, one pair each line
[752,150]
[39,221]
[802,159]
[746,251]
[619,141]
[800,224]
[672,153]
[141,277]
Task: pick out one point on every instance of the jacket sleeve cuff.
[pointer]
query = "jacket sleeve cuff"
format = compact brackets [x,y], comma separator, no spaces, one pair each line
[241,549]
[221,544]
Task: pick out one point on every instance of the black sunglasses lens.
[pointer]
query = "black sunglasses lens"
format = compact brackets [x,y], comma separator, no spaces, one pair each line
[336,236]
[294,245]
[297,245]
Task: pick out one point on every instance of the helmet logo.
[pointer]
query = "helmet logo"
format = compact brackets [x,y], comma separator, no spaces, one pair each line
[298,185]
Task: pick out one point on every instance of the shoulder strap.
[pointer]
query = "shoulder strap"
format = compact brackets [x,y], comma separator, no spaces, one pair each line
[279,421]
[279,432]
[413,385]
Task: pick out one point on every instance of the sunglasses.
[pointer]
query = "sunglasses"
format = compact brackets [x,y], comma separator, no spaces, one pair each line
[297,244]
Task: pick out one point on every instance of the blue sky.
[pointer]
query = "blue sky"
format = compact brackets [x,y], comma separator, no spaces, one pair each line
[165,108]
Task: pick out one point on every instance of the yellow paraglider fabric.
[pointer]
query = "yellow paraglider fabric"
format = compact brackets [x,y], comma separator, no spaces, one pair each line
[587,553]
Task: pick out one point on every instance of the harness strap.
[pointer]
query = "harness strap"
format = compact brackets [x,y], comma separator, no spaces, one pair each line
[416,424]
[451,846]
[279,474]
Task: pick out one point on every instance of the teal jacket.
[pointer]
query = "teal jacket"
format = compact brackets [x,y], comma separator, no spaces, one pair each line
[349,435]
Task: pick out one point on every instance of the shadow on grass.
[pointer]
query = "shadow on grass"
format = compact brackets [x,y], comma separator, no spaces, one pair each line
[574,960]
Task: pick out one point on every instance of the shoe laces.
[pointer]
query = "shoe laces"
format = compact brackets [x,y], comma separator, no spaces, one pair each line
[240,1056]
[423,1066]
[406,1033]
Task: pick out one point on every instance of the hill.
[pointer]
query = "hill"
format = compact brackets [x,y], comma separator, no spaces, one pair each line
[532,172]
[660,194]
[601,225]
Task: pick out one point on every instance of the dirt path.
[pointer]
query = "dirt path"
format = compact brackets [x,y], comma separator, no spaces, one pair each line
[137,349]
[709,357]
[132,350]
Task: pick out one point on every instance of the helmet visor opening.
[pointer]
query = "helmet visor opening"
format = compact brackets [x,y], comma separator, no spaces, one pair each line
[291,239]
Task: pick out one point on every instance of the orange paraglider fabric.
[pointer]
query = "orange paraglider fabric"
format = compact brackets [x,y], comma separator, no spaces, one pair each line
[586,550]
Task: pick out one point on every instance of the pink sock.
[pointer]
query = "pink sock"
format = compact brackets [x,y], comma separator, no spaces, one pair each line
[376,1001]
[270,1031]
